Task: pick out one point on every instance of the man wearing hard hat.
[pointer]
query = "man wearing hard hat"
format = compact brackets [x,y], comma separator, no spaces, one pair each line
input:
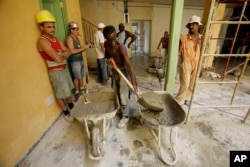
[189,55]
[76,60]
[55,54]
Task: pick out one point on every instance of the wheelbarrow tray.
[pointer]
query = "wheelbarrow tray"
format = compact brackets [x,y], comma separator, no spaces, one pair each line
[172,114]
[100,111]
[103,105]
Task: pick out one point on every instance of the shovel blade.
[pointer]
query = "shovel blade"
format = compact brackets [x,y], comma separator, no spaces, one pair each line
[148,105]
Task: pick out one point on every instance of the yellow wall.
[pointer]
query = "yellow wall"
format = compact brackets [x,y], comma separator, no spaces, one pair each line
[24,85]
[102,11]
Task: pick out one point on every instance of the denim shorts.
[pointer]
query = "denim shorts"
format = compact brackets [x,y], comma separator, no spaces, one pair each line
[77,69]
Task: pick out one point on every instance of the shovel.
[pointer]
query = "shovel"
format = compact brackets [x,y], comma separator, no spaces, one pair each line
[86,99]
[140,99]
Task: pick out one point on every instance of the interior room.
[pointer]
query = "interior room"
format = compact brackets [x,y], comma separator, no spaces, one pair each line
[207,129]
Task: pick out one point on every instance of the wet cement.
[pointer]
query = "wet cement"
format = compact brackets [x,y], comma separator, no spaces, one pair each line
[172,114]
[101,103]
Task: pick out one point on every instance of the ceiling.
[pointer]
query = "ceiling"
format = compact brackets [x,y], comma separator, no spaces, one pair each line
[196,3]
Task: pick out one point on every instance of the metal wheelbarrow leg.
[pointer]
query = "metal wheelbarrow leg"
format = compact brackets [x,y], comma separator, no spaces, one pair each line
[96,138]
[160,146]
[94,141]
[96,119]
[171,116]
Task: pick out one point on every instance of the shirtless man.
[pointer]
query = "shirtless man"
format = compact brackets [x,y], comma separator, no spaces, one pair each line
[164,43]
[118,52]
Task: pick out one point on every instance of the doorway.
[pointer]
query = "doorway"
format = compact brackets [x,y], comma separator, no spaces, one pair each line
[142,29]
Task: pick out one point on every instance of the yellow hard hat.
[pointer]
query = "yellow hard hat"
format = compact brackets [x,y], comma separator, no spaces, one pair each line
[44,16]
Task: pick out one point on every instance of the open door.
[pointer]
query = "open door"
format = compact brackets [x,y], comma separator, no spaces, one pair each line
[142,29]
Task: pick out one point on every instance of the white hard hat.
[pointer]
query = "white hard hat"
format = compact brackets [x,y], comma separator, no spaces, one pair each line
[101,25]
[73,24]
[194,19]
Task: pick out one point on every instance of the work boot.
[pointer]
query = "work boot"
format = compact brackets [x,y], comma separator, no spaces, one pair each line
[77,96]
[123,122]
[68,117]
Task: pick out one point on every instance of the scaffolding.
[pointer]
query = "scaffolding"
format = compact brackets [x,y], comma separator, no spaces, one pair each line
[206,52]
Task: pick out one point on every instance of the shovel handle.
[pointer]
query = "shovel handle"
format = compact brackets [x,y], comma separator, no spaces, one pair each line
[122,75]
[86,99]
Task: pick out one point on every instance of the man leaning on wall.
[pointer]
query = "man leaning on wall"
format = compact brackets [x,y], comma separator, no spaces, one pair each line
[55,53]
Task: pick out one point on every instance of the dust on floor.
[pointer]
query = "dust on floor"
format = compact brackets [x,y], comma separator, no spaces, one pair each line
[205,141]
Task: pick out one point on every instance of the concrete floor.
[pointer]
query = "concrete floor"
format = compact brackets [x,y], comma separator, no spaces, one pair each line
[204,141]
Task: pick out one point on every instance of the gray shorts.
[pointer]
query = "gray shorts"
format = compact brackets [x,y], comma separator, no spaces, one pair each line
[61,82]
[77,68]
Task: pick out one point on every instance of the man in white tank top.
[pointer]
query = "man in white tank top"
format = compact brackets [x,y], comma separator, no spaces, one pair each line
[123,36]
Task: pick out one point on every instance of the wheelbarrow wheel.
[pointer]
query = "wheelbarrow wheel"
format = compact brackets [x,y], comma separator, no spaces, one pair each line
[96,151]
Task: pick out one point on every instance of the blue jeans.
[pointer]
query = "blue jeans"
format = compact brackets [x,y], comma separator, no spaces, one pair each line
[102,70]
[77,68]
[122,90]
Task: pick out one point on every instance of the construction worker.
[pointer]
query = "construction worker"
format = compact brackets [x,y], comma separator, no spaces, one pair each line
[164,44]
[117,51]
[55,53]
[123,36]
[76,60]
[189,51]
[102,73]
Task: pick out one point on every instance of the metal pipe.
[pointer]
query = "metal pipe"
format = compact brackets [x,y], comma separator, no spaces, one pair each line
[230,22]
[225,55]
[217,82]
[247,115]
[241,73]
[222,106]
[234,40]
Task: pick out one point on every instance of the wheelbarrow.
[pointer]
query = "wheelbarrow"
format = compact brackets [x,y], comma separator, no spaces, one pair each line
[171,116]
[97,116]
